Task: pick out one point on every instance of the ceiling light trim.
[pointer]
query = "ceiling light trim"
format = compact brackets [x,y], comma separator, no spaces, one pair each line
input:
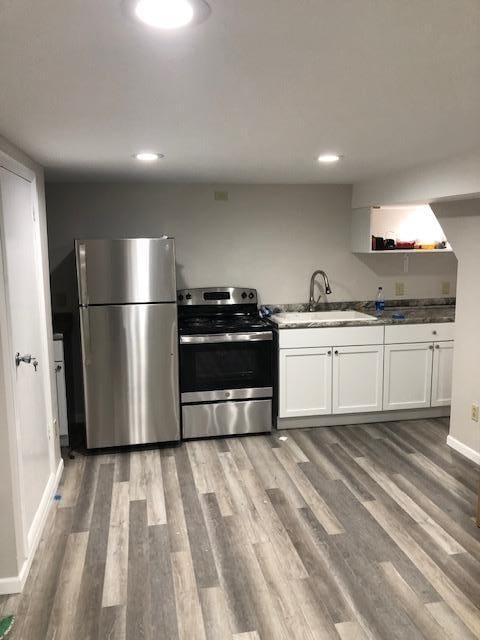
[329,158]
[201,11]
[147,156]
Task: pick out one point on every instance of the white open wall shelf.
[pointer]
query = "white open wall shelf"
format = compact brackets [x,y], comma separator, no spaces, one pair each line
[403,223]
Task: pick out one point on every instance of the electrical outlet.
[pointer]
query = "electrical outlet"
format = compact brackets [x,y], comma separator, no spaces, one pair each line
[399,288]
[445,288]
[475,412]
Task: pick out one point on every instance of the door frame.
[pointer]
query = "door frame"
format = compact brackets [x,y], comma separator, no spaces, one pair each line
[25,543]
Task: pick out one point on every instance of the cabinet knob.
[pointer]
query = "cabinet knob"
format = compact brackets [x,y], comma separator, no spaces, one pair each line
[437,346]
[431,346]
[434,332]
[329,353]
[336,352]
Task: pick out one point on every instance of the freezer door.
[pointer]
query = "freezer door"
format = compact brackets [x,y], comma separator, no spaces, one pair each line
[130,369]
[126,271]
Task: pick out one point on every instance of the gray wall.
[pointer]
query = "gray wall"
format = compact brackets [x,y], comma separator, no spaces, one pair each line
[270,237]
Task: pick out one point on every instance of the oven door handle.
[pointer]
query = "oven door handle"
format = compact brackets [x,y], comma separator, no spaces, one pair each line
[227,337]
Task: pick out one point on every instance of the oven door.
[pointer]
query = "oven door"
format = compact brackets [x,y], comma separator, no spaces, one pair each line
[226,366]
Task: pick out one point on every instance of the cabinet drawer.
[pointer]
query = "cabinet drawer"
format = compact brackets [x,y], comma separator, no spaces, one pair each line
[419,333]
[336,336]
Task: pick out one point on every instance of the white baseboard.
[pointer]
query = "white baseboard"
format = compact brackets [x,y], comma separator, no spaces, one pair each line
[468,452]
[10,585]
[362,418]
[15,584]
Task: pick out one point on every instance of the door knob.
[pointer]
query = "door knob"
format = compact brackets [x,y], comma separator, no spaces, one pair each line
[27,358]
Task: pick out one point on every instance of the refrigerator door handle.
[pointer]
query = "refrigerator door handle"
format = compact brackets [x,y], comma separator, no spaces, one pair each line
[82,264]
[85,315]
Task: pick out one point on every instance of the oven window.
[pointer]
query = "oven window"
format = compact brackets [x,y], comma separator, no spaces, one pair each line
[212,367]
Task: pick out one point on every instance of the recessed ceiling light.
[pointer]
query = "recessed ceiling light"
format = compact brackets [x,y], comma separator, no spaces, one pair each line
[329,158]
[164,14]
[148,156]
[168,14]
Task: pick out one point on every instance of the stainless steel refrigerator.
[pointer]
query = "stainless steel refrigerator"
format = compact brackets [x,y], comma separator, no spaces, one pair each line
[128,319]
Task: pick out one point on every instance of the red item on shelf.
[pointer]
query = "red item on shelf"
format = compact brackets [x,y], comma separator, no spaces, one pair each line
[405,244]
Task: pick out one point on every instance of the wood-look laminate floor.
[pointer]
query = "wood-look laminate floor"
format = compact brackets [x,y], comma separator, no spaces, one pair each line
[341,533]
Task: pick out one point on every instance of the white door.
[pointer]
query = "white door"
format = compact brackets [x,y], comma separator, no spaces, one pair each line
[357,379]
[442,373]
[21,269]
[407,376]
[305,382]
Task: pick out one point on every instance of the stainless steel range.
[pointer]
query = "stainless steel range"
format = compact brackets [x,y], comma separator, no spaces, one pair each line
[226,363]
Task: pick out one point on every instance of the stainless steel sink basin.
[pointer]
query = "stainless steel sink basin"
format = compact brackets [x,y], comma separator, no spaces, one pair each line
[293,317]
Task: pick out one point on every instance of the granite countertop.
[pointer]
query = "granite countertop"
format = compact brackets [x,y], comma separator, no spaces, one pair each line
[414,311]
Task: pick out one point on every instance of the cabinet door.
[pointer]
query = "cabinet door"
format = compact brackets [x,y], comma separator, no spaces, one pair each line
[357,379]
[61,398]
[305,382]
[407,376]
[442,373]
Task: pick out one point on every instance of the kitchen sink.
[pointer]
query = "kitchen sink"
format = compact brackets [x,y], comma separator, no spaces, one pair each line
[306,317]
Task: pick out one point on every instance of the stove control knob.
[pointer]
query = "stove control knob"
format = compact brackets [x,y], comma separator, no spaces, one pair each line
[244,294]
[188,296]
[180,297]
[251,295]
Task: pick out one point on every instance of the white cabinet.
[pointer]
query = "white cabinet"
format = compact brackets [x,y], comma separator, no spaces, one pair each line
[305,380]
[407,376]
[350,370]
[418,375]
[61,391]
[442,374]
[404,223]
[357,379]
[317,381]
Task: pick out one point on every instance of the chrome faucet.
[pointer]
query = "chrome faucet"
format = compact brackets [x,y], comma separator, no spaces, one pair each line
[311,300]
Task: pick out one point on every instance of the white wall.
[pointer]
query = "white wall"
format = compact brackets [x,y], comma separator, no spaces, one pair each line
[452,178]
[8,539]
[449,187]
[461,222]
[268,237]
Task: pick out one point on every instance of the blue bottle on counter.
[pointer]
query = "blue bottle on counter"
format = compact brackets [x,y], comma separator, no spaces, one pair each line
[380,302]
